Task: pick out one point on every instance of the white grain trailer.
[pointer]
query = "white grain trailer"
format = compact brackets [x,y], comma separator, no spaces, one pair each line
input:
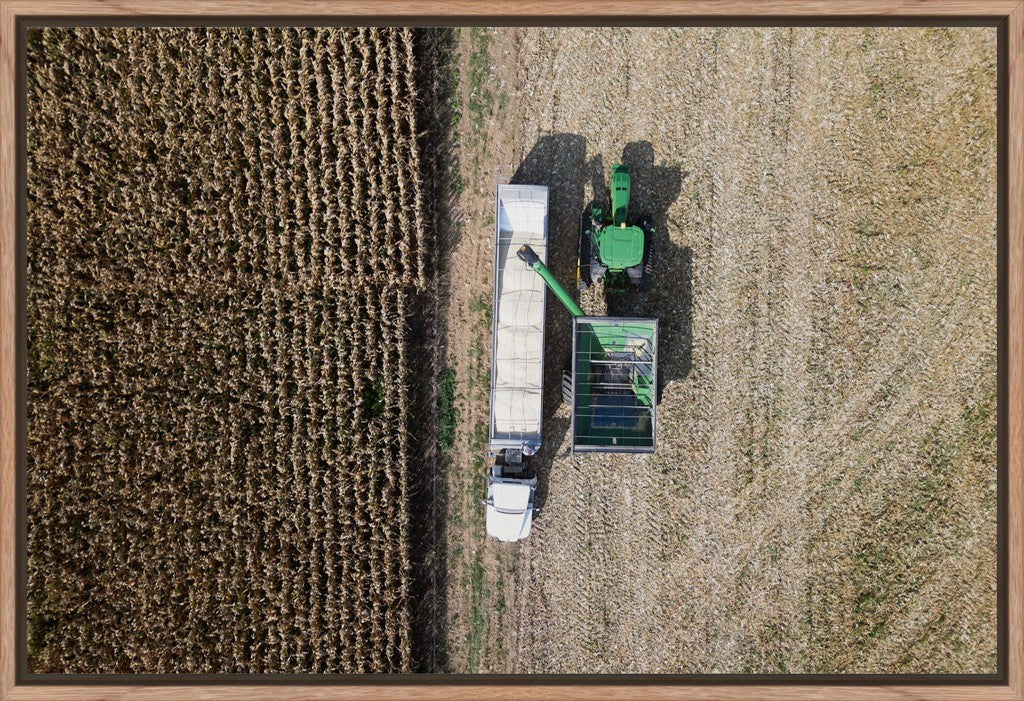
[517,360]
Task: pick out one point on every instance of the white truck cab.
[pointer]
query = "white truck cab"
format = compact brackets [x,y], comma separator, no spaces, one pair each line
[509,506]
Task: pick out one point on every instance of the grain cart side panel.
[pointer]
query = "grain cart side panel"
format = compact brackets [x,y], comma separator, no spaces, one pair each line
[517,350]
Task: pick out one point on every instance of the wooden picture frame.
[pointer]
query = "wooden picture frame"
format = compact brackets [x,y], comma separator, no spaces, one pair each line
[1009,14]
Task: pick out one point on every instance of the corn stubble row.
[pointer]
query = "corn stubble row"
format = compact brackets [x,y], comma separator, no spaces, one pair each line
[226,231]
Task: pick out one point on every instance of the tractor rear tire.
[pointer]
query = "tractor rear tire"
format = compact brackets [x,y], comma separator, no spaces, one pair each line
[567,387]
[583,279]
[648,260]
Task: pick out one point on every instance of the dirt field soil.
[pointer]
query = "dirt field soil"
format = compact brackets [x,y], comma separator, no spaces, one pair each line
[823,494]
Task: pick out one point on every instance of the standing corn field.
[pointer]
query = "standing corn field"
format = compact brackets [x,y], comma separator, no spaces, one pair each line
[226,234]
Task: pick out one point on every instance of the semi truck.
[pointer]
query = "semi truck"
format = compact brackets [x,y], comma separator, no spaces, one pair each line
[517,361]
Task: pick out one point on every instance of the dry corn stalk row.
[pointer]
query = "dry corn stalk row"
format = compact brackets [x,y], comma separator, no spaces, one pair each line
[224,229]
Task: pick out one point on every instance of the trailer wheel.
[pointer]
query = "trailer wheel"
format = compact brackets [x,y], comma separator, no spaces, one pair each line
[567,387]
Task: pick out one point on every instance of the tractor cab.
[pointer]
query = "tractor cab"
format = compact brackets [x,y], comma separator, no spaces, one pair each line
[621,247]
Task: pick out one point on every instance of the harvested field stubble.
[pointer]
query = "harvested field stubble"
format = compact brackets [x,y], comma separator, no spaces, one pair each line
[225,233]
[823,498]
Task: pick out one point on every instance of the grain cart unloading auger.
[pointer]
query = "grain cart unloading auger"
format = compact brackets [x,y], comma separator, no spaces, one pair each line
[612,383]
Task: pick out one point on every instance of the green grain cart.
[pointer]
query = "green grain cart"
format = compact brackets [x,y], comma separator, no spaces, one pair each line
[612,383]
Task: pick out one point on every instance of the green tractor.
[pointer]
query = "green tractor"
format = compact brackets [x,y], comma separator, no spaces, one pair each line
[614,252]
